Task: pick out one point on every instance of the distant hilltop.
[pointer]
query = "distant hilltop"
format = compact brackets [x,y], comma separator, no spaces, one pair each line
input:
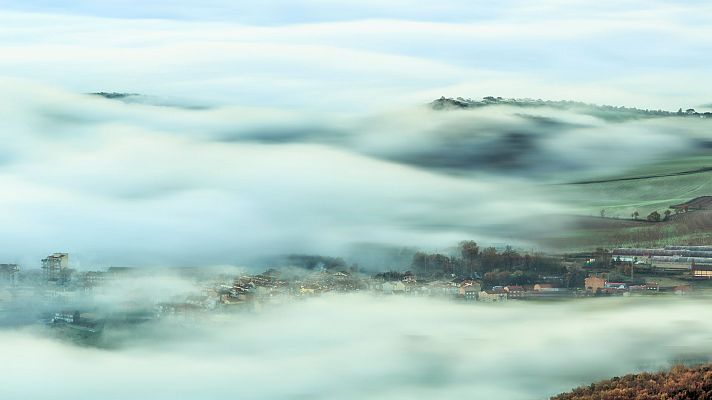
[114,95]
[603,111]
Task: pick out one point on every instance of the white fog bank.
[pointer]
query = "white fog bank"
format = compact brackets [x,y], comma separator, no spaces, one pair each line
[356,347]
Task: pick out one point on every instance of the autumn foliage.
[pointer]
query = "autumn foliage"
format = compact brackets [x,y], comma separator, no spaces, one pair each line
[677,384]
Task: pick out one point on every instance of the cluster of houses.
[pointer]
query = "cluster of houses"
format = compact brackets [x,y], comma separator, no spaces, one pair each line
[472,290]
[600,285]
[216,293]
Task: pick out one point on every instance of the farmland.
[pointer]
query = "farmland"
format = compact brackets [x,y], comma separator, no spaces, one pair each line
[649,188]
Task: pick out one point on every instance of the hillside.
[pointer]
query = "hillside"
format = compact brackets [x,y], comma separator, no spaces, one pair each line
[607,112]
[675,182]
[692,228]
[679,383]
[622,198]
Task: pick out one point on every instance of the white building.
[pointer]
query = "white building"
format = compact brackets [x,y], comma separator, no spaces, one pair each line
[396,287]
[492,297]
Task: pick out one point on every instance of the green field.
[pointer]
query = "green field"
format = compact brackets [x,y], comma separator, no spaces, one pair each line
[620,198]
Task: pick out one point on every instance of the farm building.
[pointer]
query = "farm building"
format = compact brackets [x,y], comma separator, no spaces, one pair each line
[698,203]
[702,271]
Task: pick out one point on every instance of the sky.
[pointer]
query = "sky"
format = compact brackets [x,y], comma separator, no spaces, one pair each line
[357,55]
[301,126]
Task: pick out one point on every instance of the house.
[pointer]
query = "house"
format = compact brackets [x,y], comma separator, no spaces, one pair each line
[491,296]
[498,289]
[594,283]
[8,271]
[443,288]
[616,285]
[624,259]
[702,271]
[469,289]
[543,287]
[648,287]
[409,278]
[515,291]
[395,287]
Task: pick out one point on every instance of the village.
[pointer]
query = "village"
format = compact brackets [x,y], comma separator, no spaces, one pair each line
[61,298]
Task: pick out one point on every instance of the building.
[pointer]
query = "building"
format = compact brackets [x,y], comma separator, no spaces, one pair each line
[396,287]
[543,287]
[594,284]
[671,258]
[55,265]
[94,278]
[646,288]
[515,292]
[698,203]
[702,271]
[490,296]
[67,317]
[624,259]
[469,289]
[7,272]
[616,285]
[443,288]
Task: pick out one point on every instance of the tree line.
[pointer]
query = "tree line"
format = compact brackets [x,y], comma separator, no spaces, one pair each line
[506,267]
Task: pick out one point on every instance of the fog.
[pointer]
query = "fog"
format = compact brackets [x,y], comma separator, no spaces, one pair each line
[263,129]
[144,184]
[355,346]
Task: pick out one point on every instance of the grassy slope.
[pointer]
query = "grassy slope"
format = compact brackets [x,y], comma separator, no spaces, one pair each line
[621,198]
[585,233]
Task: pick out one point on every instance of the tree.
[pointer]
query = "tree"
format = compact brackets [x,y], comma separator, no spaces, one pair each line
[654,216]
[432,264]
[635,215]
[419,262]
[667,214]
[488,259]
[510,257]
[575,277]
[469,251]
[603,213]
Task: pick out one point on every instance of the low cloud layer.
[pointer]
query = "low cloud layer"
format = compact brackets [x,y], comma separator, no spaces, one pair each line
[140,184]
[302,127]
[354,347]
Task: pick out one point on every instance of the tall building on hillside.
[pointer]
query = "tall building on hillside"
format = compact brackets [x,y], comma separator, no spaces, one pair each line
[54,265]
